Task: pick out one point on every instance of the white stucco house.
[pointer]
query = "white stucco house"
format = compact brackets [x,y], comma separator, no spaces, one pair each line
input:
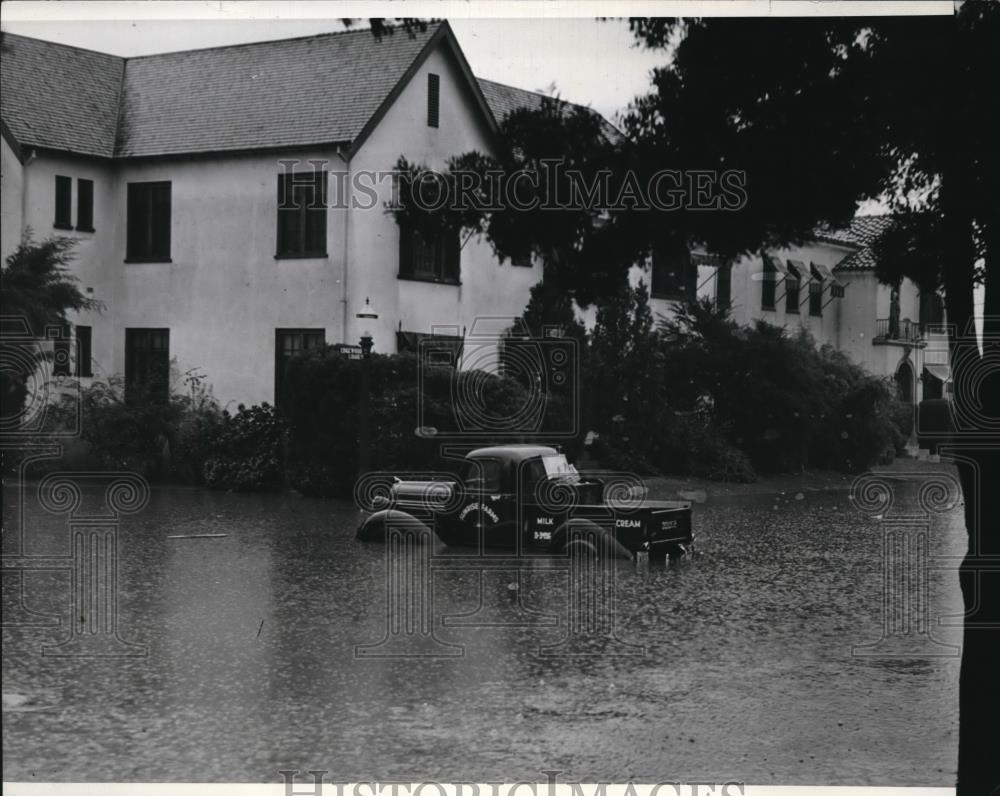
[828,286]
[168,170]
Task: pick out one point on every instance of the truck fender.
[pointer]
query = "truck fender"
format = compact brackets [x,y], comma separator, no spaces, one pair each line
[587,533]
[374,527]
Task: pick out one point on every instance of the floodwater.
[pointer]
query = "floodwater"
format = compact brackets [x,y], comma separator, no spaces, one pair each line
[263,653]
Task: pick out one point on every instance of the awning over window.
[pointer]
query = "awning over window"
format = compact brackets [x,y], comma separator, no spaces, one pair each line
[938,371]
[825,274]
[777,265]
[701,257]
[798,269]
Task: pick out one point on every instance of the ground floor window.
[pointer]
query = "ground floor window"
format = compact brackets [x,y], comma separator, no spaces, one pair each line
[288,343]
[84,351]
[147,363]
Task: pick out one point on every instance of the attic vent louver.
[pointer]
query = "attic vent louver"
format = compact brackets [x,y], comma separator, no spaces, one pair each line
[433,99]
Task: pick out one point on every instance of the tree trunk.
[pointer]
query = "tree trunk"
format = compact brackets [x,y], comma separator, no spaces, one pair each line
[977,455]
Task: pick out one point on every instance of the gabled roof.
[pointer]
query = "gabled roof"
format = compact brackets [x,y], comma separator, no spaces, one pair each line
[292,92]
[314,90]
[60,97]
[504,100]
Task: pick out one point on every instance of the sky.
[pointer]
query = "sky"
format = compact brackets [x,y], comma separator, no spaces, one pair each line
[588,61]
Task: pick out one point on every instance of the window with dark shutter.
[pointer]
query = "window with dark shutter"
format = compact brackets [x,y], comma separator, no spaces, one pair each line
[62,348]
[792,285]
[670,274]
[437,259]
[816,293]
[147,364]
[84,352]
[433,99]
[521,260]
[723,286]
[148,222]
[302,214]
[769,285]
[85,205]
[64,203]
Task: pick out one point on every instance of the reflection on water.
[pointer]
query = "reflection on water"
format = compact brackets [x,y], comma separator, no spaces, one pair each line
[747,671]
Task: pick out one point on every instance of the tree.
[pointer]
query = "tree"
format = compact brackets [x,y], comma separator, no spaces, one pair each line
[822,113]
[38,291]
[544,191]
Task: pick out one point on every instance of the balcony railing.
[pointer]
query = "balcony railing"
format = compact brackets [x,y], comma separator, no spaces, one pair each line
[905,331]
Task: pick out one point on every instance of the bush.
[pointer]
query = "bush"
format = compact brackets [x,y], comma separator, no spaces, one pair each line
[693,445]
[119,434]
[324,385]
[716,400]
[246,451]
[145,434]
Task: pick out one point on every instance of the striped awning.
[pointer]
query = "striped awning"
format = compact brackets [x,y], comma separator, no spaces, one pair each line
[825,274]
[777,265]
[798,268]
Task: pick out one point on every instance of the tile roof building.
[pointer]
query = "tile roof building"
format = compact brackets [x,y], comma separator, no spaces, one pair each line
[828,286]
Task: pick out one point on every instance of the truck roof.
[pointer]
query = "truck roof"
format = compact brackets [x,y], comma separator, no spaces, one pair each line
[517,453]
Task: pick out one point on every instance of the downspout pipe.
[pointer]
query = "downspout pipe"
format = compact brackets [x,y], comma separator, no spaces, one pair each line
[347,202]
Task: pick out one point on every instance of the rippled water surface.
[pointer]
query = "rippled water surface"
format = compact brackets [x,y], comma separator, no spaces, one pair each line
[735,665]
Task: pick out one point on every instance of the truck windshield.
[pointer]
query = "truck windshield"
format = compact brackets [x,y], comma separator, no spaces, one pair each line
[556,466]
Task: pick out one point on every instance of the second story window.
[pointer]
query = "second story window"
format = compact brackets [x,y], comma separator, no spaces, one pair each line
[148,222]
[670,275]
[768,286]
[85,205]
[64,203]
[302,214]
[792,286]
[84,351]
[435,260]
[433,99]
[724,285]
[816,293]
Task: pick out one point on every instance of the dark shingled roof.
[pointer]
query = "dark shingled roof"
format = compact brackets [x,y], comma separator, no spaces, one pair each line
[291,92]
[60,97]
[504,100]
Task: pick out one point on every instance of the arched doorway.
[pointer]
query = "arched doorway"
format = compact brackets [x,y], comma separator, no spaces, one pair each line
[904,382]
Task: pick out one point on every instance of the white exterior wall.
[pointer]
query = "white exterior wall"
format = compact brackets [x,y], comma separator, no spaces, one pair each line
[488,289]
[223,294]
[848,324]
[11,193]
